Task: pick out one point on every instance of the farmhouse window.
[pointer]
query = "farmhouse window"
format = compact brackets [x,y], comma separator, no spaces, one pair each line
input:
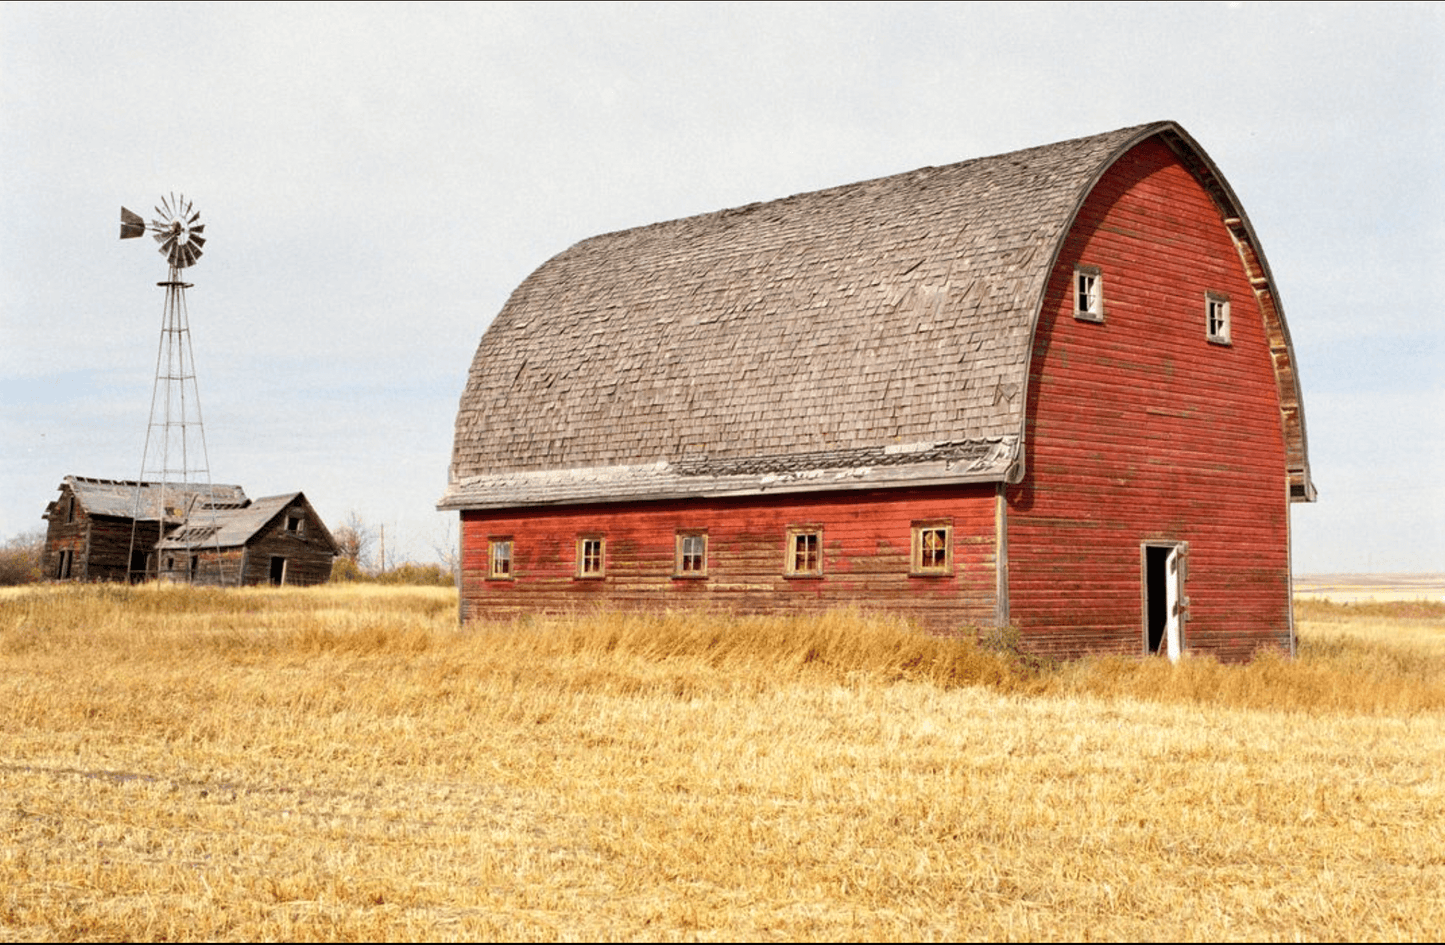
[590,557]
[296,524]
[805,557]
[1088,293]
[1216,313]
[932,548]
[691,554]
[501,559]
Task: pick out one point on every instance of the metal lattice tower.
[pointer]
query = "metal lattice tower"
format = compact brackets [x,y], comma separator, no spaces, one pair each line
[174,457]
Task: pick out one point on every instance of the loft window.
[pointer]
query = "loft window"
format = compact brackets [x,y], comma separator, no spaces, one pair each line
[296,524]
[1088,293]
[932,548]
[805,557]
[691,554]
[1216,314]
[500,566]
[590,557]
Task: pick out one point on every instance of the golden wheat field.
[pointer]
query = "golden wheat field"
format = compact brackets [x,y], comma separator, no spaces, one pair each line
[347,763]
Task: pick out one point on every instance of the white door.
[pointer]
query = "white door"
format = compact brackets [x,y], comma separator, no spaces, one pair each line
[1174,602]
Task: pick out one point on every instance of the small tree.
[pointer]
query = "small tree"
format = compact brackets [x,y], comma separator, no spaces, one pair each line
[355,538]
[21,558]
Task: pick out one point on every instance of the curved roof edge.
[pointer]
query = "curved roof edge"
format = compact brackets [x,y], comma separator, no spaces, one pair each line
[1251,254]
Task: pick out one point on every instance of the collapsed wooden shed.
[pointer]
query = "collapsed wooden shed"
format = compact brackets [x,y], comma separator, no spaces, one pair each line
[1051,389]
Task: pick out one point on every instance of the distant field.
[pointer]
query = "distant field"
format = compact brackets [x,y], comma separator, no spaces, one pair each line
[346,763]
[1378,587]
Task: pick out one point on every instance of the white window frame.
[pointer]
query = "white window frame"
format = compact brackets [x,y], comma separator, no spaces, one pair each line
[691,554]
[923,556]
[500,563]
[804,552]
[1216,317]
[591,557]
[1089,294]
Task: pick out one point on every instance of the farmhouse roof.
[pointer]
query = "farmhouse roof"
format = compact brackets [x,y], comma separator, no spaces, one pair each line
[142,500]
[877,333]
[232,528]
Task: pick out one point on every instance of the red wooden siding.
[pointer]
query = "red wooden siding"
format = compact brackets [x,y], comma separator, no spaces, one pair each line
[1139,429]
[866,541]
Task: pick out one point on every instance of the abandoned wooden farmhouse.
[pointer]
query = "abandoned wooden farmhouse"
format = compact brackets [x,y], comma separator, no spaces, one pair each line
[1051,389]
[114,530]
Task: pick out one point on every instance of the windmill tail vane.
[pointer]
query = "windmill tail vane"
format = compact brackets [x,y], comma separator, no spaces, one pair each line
[176,227]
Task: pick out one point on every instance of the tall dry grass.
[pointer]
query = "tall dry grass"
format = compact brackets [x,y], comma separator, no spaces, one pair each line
[347,763]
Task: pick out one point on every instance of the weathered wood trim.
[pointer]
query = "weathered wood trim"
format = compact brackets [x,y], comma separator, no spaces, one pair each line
[1000,538]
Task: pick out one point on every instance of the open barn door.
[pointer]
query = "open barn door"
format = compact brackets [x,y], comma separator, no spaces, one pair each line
[1165,568]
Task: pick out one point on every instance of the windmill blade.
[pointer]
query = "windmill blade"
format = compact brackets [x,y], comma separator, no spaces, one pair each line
[131,224]
[176,228]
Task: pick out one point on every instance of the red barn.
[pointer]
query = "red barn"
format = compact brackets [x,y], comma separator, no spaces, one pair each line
[1051,389]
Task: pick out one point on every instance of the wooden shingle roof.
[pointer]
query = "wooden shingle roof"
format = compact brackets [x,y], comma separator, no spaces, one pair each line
[142,500]
[877,333]
[233,528]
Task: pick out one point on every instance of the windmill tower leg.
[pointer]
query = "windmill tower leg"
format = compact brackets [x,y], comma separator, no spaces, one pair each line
[175,456]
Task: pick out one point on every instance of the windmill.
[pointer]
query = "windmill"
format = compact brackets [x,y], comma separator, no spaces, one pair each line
[175,445]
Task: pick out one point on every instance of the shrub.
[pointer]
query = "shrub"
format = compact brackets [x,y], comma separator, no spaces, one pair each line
[21,557]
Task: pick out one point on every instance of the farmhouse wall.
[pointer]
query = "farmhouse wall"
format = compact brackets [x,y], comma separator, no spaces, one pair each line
[308,552]
[866,549]
[1141,429]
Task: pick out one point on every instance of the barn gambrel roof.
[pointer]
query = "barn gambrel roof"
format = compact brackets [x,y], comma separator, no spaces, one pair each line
[873,334]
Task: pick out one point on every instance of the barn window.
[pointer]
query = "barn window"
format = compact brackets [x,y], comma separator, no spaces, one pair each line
[500,567]
[691,554]
[805,557]
[1216,314]
[932,548]
[1088,293]
[590,557]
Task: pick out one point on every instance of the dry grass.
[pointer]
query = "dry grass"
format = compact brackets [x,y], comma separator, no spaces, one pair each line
[346,763]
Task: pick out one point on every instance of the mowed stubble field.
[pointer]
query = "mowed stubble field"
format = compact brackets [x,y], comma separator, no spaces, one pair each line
[347,763]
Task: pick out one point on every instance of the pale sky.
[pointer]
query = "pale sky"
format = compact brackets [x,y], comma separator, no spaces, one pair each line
[376,179]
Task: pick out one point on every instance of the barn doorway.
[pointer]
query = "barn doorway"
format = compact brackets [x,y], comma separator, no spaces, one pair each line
[278,571]
[1164,567]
